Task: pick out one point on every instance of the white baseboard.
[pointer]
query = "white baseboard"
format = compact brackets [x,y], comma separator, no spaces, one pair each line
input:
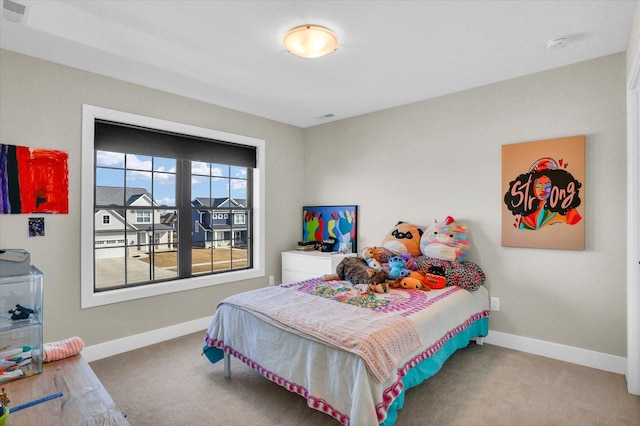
[587,358]
[129,343]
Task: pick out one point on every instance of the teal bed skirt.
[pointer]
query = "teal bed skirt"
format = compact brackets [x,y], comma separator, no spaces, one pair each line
[430,366]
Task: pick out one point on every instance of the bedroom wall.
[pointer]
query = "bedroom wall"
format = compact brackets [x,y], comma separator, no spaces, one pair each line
[443,157]
[633,48]
[41,108]
[380,161]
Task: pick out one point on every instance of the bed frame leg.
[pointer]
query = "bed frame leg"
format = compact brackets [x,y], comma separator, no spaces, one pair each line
[480,341]
[227,364]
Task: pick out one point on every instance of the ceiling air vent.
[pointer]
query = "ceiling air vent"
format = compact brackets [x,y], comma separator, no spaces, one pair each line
[14,11]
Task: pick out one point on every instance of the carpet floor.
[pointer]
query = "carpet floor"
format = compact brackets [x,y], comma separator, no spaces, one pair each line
[171,383]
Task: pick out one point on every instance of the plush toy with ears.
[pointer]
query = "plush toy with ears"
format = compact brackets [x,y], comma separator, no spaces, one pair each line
[403,238]
[396,268]
[414,280]
[371,256]
[446,240]
[372,288]
[434,278]
[356,270]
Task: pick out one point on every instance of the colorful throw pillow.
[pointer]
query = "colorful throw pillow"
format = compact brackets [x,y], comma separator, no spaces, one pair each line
[446,240]
[403,238]
[464,274]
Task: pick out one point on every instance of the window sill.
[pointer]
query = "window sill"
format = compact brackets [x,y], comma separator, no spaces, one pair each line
[91,299]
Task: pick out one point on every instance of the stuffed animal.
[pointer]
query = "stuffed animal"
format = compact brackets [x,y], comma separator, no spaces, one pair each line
[372,288]
[434,278]
[62,349]
[20,312]
[370,255]
[414,280]
[396,268]
[409,262]
[403,238]
[356,270]
[446,240]
[373,263]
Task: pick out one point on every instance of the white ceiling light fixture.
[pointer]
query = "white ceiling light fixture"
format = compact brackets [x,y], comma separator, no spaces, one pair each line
[310,41]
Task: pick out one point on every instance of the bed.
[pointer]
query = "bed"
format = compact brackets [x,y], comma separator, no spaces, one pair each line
[351,355]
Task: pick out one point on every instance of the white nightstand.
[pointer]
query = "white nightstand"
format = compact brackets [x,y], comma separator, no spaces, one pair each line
[300,265]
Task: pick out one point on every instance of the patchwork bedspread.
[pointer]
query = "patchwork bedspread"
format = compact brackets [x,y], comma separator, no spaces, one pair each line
[322,362]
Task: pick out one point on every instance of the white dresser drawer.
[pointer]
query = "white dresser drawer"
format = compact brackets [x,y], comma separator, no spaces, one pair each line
[306,263]
[301,265]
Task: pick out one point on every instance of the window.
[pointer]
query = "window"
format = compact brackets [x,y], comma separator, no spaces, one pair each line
[161,185]
[239,219]
[142,216]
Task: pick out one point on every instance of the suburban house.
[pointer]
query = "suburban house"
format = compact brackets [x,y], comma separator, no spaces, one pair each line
[138,228]
[221,228]
[134,228]
[427,158]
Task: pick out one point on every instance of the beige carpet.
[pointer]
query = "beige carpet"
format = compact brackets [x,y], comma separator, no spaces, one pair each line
[171,383]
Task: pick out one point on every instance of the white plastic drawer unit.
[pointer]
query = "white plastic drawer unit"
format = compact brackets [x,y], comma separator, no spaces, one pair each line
[301,265]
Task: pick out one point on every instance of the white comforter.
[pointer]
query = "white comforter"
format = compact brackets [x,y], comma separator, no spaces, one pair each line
[335,381]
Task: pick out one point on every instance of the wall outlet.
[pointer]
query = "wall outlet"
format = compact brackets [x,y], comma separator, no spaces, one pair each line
[271,280]
[495,304]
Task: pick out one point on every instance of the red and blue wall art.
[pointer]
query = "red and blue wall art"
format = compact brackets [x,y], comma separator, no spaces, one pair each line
[321,222]
[543,194]
[33,180]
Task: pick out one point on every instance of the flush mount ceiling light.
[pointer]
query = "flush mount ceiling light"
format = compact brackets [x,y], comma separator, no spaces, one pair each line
[310,41]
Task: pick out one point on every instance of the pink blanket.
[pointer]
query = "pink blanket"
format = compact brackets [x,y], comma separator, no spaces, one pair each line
[380,339]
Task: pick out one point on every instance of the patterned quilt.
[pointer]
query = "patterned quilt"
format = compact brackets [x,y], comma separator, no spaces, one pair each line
[399,301]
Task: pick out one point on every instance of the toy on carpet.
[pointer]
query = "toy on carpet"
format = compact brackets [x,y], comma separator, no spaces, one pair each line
[446,240]
[403,238]
[20,312]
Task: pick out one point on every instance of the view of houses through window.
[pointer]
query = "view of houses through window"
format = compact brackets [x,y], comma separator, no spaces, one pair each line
[138,209]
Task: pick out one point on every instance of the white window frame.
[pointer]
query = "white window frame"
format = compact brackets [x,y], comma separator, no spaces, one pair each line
[143,216]
[89,298]
[106,219]
[239,219]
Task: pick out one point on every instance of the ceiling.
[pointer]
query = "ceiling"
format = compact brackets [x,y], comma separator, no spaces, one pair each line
[391,53]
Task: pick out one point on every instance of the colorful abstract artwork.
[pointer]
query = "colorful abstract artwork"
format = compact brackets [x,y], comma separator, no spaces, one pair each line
[339,222]
[33,180]
[543,194]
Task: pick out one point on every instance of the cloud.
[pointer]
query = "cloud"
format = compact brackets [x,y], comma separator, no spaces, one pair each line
[113,159]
